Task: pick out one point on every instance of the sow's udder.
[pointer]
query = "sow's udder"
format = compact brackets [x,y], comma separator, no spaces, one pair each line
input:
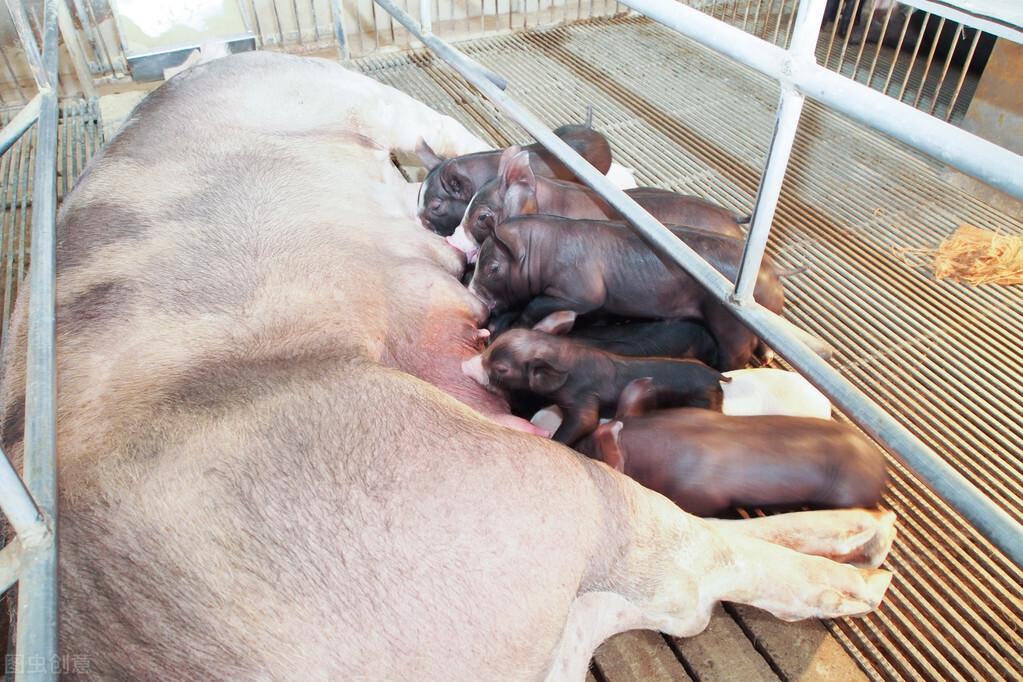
[432,328]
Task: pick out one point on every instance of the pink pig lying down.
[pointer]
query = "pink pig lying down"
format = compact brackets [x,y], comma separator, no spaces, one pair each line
[271,464]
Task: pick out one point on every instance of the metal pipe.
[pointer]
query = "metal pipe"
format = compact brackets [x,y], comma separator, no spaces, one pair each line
[74,48]
[28,43]
[990,520]
[425,18]
[339,28]
[445,51]
[12,560]
[21,122]
[971,154]
[790,106]
[38,589]
[17,503]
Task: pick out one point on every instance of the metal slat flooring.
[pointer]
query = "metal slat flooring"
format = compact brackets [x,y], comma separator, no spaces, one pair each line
[80,135]
[942,357]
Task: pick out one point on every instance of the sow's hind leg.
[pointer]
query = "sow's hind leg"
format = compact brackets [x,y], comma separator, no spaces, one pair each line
[667,569]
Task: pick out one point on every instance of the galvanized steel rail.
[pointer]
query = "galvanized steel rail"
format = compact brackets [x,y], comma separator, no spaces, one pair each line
[989,519]
[31,507]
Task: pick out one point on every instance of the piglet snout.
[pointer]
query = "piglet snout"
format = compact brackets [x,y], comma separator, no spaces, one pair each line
[464,243]
[473,368]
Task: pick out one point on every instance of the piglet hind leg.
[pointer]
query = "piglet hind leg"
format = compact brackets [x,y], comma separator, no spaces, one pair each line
[672,568]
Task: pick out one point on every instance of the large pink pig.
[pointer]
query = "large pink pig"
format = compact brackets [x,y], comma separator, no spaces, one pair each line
[271,465]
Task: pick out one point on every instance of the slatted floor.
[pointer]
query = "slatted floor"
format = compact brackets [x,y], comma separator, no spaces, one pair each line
[79,137]
[944,358]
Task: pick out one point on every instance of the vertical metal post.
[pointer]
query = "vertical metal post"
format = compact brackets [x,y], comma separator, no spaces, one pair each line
[38,589]
[790,106]
[425,18]
[339,28]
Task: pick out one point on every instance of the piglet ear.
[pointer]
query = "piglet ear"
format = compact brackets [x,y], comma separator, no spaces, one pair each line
[544,378]
[637,398]
[609,447]
[456,184]
[506,157]
[507,237]
[556,323]
[518,172]
[427,155]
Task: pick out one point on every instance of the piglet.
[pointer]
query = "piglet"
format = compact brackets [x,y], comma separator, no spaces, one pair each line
[767,391]
[584,381]
[451,183]
[550,264]
[661,338]
[707,462]
[518,190]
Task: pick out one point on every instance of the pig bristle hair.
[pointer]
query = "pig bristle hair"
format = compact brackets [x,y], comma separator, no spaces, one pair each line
[589,115]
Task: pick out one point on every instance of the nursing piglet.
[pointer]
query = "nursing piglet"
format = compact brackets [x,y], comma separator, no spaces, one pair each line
[707,462]
[550,264]
[451,183]
[584,381]
[518,190]
[661,338]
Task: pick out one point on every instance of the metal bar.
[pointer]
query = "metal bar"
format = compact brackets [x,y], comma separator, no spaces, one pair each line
[87,28]
[74,49]
[12,560]
[880,44]
[863,38]
[446,52]
[316,23]
[17,126]
[1007,29]
[929,62]
[17,503]
[425,16]
[790,106]
[38,589]
[339,28]
[912,59]
[99,35]
[28,42]
[971,154]
[944,68]
[298,22]
[962,76]
[952,486]
[256,29]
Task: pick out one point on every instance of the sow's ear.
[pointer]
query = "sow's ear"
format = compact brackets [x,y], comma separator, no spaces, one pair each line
[556,323]
[427,155]
[544,378]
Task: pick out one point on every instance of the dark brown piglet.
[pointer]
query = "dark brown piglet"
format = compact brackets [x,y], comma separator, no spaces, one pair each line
[707,462]
[451,183]
[661,338]
[551,264]
[518,190]
[585,381]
